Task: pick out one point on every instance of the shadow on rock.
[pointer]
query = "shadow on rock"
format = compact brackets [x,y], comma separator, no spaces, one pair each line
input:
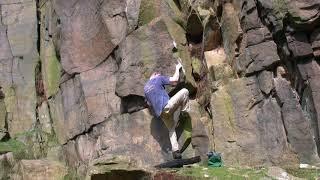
[160,133]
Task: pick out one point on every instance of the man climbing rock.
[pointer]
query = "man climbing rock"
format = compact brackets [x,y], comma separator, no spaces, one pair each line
[168,109]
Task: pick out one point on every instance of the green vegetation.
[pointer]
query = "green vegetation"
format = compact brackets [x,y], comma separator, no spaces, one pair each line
[16,147]
[280,7]
[71,175]
[304,173]
[237,173]
[223,173]
[37,143]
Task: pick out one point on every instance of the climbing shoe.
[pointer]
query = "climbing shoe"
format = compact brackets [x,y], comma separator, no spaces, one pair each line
[176,155]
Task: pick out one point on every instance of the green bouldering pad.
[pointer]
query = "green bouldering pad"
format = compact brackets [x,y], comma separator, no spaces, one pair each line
[214,159]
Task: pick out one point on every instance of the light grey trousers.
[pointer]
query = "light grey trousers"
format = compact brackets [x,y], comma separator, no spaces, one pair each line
[171,112]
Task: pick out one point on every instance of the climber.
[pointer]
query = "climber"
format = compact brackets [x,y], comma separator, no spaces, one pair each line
[163,107]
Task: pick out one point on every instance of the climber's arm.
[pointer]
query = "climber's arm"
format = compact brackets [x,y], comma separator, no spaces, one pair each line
[175,78]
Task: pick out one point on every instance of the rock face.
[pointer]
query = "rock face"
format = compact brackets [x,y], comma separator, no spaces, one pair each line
[72,76]
[87,32]
[18,34]
[295,122]
[130,134]
[244,122]
[39,169]
[144,51]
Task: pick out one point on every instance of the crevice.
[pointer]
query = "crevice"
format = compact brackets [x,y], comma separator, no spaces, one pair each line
[177,2]
[51,120]
[41,97]
[309,112]
[271,67]
[103,61]
[132,103]
[284,125]
[1,23]
[195,29]
[40,92]
[121,14]
[4,129]
[38,24]
[122,174]
[87,131]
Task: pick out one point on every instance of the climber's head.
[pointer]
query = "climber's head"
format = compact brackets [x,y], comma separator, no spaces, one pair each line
[155,74]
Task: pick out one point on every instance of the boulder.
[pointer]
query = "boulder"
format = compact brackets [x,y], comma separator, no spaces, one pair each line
[310,73]
[145,50]
[138,136]
[90,31]
[298,128]
[247,129]
[85,100]
[39,169]
[116,167]
[150,49]
[273,136]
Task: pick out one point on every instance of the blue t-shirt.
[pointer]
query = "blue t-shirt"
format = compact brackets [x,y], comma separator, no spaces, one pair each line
[156,94]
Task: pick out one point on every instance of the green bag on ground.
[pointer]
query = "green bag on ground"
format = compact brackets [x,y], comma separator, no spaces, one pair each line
[214,159]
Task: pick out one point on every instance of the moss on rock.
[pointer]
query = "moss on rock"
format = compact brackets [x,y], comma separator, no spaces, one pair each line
[148,11]
[51,71]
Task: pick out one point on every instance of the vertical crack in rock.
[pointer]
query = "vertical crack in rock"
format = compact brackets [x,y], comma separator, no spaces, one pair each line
[40,92]
[38,24]
[41,98]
